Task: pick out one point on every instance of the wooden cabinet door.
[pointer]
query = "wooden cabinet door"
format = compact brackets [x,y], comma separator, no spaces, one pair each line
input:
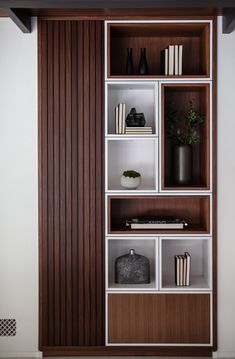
[159,318]
[71,186]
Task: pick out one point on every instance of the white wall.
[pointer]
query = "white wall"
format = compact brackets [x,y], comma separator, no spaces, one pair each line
[226,192]
[18,187]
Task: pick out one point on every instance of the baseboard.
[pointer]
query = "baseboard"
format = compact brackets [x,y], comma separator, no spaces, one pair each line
[222,354]
[18,354]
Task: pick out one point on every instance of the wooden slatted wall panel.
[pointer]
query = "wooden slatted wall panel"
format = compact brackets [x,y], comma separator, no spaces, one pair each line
[71,188]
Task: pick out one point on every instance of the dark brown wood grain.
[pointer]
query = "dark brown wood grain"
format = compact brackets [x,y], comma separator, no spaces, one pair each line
[163,318]
[179,351]
[71,183]
[155,38]
[195,210]
[125,14]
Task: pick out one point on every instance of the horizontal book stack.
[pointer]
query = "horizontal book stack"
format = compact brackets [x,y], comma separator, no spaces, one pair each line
[172,60]
[182,269]
[120,116]
[139,130]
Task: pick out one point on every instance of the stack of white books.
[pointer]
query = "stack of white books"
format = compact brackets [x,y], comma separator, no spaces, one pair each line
[182,269]
[172,60]
[139,130]
[120,116]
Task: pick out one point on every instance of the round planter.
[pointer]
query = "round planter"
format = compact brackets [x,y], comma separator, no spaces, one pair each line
[130,182]
[183,164]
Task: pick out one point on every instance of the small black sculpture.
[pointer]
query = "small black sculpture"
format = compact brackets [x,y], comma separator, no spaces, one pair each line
[132,268]
[135,119]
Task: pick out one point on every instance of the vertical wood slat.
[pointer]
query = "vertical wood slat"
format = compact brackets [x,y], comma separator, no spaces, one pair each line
[71,186]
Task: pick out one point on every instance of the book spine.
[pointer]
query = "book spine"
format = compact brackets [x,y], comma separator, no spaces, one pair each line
[123,117]
[120,118]
[176,57]
[181,271]
[185,270]
[166,61]
[188,261]
[116,120]
[180,60]
[171,60]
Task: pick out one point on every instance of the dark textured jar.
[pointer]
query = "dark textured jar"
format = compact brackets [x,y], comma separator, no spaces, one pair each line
[132,268]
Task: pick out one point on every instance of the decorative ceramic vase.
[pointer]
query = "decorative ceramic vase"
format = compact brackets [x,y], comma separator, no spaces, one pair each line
[130,182]
[132,268]
[129,62]
[143,66]
[182,164]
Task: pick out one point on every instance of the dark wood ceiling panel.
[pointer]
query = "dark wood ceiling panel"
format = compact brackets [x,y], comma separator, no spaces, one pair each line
[71,188]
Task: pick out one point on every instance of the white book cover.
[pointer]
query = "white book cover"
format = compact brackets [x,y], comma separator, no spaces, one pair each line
[123,117]
[180,60]
[166,61]
[120,118]
[188,260]
[176,59]
[116,120]
[185,270]
[171,60]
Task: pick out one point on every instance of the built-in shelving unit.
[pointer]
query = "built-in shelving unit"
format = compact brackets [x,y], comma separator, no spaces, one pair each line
[159,195]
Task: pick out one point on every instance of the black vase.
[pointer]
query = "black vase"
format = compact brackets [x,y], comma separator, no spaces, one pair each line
[129,62]
[132,268]
[143,66]
[183,164]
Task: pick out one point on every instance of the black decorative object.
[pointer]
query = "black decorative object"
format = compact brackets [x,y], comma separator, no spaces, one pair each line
[183,164]
[129,62]
[135,119]
[143,66]
[132,268]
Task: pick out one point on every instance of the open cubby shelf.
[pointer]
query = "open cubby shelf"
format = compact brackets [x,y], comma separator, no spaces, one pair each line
[195,38]
[179,95]
[141,96]
[119,247]
[200,272]
[195,210]
[132,154]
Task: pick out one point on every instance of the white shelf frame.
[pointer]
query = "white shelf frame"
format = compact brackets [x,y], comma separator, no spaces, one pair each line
[156,265]
[160,261]
[158,238]
[156,110]
[156,165]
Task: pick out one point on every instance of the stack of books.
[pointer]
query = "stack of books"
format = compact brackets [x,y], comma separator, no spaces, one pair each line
[182,269]
[120,116]
[139,130]
[172,60]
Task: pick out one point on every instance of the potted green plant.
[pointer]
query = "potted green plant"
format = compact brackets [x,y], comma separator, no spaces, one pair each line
[184,134]
[130,179]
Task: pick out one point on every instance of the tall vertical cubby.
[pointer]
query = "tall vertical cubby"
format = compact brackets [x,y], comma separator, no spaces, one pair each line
[160,313]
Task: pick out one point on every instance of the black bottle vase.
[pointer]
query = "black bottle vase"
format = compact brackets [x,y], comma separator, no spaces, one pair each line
[143,65]
[182,164]
[129,62]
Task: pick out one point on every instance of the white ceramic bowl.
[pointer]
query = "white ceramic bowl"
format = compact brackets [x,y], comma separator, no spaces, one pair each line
[130,182]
